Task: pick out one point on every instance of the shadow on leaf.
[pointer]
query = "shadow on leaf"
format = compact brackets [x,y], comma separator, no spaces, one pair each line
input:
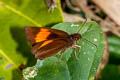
[23,47]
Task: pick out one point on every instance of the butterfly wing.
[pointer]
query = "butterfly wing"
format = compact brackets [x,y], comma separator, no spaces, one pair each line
[45,41]
[52,47]
[40,34]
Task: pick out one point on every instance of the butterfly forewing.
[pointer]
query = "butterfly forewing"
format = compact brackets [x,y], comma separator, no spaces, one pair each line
[39,34]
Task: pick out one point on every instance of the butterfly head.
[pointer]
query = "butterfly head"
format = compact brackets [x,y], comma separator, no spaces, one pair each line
[76,36]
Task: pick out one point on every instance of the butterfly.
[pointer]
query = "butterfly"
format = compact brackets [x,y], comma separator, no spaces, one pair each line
[47,42]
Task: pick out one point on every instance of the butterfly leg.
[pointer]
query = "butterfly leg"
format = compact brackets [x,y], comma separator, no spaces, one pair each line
[59,59]
[75,52]
[76,46]
[79,50]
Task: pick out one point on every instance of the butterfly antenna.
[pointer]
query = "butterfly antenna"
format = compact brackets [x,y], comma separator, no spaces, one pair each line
[90,42]
[82,25]
[84,38]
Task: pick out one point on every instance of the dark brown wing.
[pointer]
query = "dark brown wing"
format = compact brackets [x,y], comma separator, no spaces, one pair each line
[50,49]
[40,34]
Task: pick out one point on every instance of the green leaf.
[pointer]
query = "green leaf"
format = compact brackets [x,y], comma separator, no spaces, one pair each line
[48,69]
[114,48]
[14,16]
[89,57]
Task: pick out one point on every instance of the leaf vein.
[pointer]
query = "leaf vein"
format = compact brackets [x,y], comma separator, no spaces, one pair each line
[20,13]
[2,53]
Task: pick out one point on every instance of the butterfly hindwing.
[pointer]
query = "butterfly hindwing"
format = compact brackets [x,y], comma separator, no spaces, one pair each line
[50,49]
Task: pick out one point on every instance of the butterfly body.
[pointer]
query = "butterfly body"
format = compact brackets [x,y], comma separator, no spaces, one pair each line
[47,42]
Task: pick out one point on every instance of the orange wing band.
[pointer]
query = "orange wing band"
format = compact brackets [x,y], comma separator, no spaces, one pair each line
[42,35]
[46,42]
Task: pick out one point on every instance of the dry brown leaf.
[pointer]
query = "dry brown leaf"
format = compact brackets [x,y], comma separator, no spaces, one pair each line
[111,8]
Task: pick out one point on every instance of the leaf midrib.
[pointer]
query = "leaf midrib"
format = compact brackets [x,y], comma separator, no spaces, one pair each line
[19,13]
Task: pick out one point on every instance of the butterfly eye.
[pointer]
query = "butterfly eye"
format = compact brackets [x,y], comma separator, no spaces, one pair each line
[76,38]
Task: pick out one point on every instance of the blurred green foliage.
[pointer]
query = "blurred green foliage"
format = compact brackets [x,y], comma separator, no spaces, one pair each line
[14,16]
[114,48]
[112,70]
